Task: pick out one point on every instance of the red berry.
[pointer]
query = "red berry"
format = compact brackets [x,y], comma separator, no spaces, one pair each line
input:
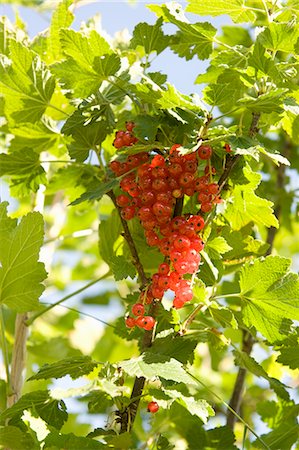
[128,212]
[118,142]
[182,243]
[158,161]
[197,222]
[130,322]
[130,126]
[228,148]
[127,139]
[148,322]
[122,200]
[138,309]
[205,152]
[213,188]
[186,179]
[152,407]
[139,321]
[163,269]
[206,207]
[178,303]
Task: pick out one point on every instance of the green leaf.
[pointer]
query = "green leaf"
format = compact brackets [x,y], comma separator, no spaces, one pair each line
[262,61]
[122,268]
[111,249]
[52,411]
[106,65]
[40,136]
[164,444]
[233,8]
[21,274]
[243,245]
[246,206]
[109,232]
[83,49]
[150,37]
[193,40]
[89,62]
[123,441]
[26,84]
[75,367]
[13,438]
[70,441]
[62,18]
[270,294]
[172,98]
[282,418]
[280,37]
[218,94]
[220,438]
[199,408]
[266,103]
[242,359]
[23,165]
[289,356]
[180,348]
[97,193]
[146,128]
[89,125]
[151,365]
[217,246]
[223,315]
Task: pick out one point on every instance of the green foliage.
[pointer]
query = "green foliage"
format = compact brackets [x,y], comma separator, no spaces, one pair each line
[246,206]
[21,274]
[151,365]
[52,411]
[270,294]
[26,84]
[63,96]
[75,367]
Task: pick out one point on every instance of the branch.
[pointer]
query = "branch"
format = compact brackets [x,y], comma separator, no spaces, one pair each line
[18,359]
[231,161]
[128,237]
[236,398]
[280,187]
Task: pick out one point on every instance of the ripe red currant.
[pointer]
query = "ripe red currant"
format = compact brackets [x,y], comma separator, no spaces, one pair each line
[130,322]
[152,407]
[205,152]
[138,309]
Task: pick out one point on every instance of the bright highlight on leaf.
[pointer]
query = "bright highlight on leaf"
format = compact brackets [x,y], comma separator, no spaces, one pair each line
[270,295]
[21,274]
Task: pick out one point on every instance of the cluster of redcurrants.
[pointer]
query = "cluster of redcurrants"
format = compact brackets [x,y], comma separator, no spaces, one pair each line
[125,138]
[181,245]
[150,192]
[141,321]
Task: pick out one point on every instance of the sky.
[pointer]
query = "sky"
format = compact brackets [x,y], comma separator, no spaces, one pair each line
[118,15]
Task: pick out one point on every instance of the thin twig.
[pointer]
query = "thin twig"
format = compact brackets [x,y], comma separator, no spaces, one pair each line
[231,161]
[4,346]
[63,299]
[128,237]
[18,360]
[236,398]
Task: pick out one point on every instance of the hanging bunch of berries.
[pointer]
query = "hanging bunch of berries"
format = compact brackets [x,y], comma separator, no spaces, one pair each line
[150,192]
